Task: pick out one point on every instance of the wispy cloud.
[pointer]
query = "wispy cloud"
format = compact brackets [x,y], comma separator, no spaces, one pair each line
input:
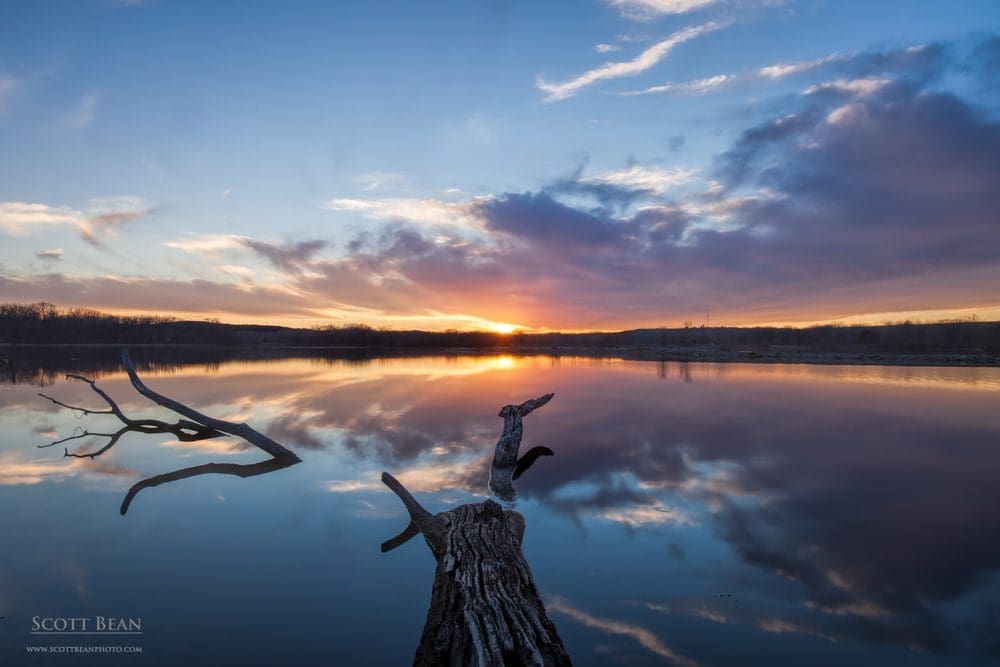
[375,180]
[781,70]
[642,10]
[20,218]
[719,81]
[105,216]
[864,86]
[696,87]
[607,48]
[85,112]
[654,181]
[99,220]
[52,255]
[288,257]
[207,243]
[418,211]
[644,61]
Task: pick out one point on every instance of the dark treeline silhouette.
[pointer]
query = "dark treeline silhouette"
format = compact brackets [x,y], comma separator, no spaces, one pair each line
[44,324]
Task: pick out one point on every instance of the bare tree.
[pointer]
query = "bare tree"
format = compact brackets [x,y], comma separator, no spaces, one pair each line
[485,608]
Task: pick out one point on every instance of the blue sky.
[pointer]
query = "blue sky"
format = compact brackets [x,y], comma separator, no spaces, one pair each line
[546,165]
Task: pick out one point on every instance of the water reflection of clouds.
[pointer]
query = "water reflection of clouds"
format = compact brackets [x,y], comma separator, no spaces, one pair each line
[887,483]
[647,639]
[870,491]
[18,468]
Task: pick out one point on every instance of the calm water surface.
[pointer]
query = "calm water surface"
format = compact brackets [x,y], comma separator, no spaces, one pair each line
[720,514]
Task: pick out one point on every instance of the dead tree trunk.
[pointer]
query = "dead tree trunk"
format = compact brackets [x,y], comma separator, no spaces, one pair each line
[485,608]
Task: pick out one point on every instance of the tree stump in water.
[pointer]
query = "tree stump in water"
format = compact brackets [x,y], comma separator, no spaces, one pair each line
[485,608]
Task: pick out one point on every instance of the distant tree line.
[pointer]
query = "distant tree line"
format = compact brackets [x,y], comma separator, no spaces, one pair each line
[43,323]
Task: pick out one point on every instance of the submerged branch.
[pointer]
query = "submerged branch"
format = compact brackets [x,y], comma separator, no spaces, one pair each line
[244,431]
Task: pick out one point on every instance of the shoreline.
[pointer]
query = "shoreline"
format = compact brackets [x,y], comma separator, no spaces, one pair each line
[700,354]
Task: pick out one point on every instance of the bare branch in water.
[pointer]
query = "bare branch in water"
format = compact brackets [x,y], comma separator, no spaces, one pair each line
[184,430]
[193,427]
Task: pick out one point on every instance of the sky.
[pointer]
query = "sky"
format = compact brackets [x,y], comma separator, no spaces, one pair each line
[586,165]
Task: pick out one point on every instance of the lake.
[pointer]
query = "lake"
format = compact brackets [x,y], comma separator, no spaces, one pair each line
[709,513]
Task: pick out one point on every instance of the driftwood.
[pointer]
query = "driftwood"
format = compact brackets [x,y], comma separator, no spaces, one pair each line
[485,608]
[196,426]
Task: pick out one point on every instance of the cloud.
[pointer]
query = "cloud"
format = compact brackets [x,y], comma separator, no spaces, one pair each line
[720,81]
[782,70]
[646,9]
[645,179]
[434,212]
[105,216]
[838,218]
[375,180]
[919,63]
[99,220]
[207,243]
[20,218]
[85,112]
[697,87]
[607,48]
[288,257]
[644,61]
[54,254]
[864,86]
[872,193]
[142,294]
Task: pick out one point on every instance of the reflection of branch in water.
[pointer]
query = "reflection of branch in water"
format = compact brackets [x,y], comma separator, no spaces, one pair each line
[238,469]
[196,426]
[485,608]
[529,459]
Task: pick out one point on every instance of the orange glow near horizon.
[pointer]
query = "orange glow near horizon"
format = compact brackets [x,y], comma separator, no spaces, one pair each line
[466,323]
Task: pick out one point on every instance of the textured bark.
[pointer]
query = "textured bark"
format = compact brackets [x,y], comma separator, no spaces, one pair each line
[505,462]
[485,608]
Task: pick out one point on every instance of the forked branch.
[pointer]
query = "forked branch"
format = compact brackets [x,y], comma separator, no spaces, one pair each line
[506,466]
[183,429]
[244,431]
[195,426]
